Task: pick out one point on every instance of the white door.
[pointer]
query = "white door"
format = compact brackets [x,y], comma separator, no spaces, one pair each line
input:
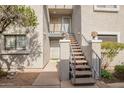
[66,24]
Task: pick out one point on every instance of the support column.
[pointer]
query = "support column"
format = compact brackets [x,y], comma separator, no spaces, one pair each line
[64,59]
[96,55]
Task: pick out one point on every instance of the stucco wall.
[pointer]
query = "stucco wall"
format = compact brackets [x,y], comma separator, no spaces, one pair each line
[76,22]
[34,58]
[103,22]
[54,49]
[39,13]
[46,42]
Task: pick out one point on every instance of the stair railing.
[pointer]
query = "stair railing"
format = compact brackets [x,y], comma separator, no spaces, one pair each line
[95,63]
[73,62]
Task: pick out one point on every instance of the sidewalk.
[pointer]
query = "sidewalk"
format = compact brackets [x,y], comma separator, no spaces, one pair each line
[116,85]
[48,76]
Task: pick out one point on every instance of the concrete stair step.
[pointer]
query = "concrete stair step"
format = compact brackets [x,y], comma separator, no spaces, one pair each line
[75,44]
[80,81]
[82,73]
[73,41]
[77,50]
[80,62]
[77,53]
[80,67]
[78,57]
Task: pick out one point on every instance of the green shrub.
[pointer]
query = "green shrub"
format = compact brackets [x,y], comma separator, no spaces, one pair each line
[119,71]
[2,73]
[111,49]
[106,74]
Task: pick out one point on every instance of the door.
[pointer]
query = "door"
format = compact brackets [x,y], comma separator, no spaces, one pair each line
[66,24]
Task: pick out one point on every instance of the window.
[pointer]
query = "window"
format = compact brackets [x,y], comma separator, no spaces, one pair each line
[55,24]
[112,38]
[15,42]
[110,8]
[60,23]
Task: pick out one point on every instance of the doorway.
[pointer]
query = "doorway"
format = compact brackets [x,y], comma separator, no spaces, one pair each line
[66,24]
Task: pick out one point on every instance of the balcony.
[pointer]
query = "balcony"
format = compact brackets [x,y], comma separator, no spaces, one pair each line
[60,6]
[56,35]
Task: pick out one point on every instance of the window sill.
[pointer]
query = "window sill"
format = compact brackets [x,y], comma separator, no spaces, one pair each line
[15,52]
[96,9]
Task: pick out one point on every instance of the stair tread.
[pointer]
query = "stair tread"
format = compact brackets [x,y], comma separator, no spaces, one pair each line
[78,57]
[80,61]
[76,49]
[75,44]
[83,72]
[77,53]
[80,66]
[83,80]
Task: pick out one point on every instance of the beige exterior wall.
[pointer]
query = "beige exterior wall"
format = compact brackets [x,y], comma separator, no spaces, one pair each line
[112,22]
[38,63]
[46,42]
[76,22]
[54,49]
[33,58]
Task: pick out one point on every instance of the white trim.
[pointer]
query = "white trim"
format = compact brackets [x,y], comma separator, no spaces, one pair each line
[111,33]
[107,9]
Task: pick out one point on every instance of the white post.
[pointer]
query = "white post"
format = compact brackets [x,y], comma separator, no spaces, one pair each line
[96,52]
[64,59]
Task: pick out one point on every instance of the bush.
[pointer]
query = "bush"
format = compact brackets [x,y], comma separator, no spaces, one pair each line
[111,49]
[119,71]
[2,73]
[106,74]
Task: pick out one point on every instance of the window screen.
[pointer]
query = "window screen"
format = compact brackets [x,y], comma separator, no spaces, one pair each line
[112,38]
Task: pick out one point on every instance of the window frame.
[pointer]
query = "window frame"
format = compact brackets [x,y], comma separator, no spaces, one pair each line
[15,41]
[106,9]
[15,51]
[111,33]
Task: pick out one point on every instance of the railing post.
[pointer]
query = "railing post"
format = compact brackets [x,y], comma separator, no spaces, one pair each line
[96,57]
[64,59]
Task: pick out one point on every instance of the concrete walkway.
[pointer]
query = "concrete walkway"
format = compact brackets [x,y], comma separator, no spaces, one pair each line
[116,85]
[49,78]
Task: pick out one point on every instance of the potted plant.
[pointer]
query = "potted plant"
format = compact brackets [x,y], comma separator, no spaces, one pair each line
[94,35]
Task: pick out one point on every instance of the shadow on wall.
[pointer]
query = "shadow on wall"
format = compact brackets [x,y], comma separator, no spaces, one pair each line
[18,61]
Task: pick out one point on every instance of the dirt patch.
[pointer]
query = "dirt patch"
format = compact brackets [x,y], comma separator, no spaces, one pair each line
[20,79]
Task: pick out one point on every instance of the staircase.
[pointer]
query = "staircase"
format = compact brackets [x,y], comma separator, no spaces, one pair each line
[80,71]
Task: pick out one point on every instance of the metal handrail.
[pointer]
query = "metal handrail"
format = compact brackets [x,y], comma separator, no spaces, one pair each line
[72,56]
[99,59]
